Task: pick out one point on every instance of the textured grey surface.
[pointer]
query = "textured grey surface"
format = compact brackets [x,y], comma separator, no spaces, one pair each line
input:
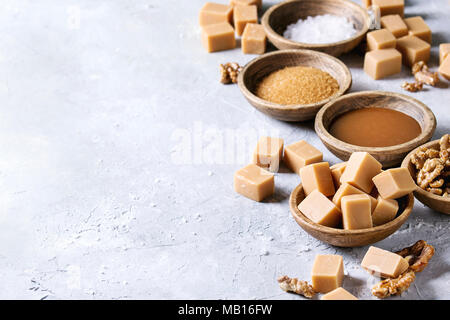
[103,106]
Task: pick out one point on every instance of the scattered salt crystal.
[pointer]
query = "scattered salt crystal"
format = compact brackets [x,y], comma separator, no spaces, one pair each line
[153,205]
[304,249]
[264,253]
[325,28]
[210,173]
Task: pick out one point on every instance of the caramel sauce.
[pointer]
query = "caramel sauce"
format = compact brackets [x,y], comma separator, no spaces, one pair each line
[374,127]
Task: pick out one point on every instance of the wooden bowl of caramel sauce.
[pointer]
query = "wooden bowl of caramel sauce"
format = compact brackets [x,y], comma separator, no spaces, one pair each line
[349,238]
[387,125]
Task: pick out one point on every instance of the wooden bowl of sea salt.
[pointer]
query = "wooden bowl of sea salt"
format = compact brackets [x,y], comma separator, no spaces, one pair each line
[331,26]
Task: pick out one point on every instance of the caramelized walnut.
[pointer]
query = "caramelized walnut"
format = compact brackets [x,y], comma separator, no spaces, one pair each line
[419,158]
[229,72]
[423,75]
[297,286]
[419,66]
[433,167]
[391,287]
[418,255]
[427,77]
[412,86]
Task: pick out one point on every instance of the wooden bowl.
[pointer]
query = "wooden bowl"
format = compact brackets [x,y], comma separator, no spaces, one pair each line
[278,17]
[388,156]
[433,201]
[267,63]
[349,238]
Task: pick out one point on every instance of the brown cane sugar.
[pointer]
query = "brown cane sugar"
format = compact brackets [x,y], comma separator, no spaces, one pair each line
[374,127]
[297,85]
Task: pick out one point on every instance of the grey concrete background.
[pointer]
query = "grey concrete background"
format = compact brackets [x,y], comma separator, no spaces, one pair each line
[118,146]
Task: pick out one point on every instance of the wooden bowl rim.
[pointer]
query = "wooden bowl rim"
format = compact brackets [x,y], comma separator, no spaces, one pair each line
[270,32]
[276,106]
[325,135]
[426,194]
[400,219]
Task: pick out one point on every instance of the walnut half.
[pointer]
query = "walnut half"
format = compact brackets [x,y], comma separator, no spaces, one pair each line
[412,86]
[297,286]
[394,287]
[418,256]
[423,75]
[229,72]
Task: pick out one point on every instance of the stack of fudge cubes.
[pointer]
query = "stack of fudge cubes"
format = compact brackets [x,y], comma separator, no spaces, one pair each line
[356,194]
[220,22]
[401,40]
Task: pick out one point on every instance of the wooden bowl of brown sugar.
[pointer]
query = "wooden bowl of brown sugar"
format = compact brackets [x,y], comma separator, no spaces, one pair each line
[387,125]
[278,17]
[349,238]
[433,201]
[265,65]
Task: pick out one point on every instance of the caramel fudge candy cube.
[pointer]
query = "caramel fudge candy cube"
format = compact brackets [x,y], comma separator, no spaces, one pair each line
[254,182]
[212,13]
[327,272]
[356,211]
[444,51]
[336,173]
[380,39]
[243,15]
[347,190]
[338,294]
[300,154]
[320,209]
[444,68]
[413,50]
[385,211]
[317,176]
[218,37]
[394,24]
[381,63]
[253,39]
[417,27]
[361,168]
[390,6]
[384,263]
[257,3]
[394,183]
[268,153]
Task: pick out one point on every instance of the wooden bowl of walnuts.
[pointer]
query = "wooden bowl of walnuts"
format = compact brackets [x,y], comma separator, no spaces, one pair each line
[429,166]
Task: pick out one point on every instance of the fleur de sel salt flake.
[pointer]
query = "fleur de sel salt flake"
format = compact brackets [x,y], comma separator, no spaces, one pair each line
[319,29]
